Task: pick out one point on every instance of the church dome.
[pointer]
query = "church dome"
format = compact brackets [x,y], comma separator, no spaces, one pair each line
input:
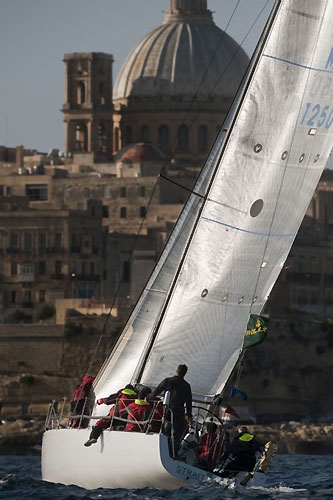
[187,55]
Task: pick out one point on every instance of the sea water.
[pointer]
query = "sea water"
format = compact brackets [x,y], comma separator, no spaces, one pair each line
[292,477]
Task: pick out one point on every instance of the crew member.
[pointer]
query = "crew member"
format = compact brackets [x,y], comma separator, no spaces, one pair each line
[210,447]
[243,450]
[120,400]
[138,412]
[181,395]
[79,401]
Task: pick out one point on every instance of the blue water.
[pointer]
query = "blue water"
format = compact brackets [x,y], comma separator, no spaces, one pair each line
[292,477]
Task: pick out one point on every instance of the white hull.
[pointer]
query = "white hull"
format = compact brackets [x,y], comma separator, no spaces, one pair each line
[117,460]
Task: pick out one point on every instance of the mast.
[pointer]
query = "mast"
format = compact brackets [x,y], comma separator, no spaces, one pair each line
[244,87]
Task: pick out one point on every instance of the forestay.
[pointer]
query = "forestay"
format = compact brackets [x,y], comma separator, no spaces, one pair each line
[271,164]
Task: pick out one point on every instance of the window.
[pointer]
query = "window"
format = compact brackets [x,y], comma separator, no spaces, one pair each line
[81,93]
[83,268]
[105,191]
[163,137]
[142,211]
[42,241]
[8,191]
[183,138]
[14,241]
[92,268]
[123,192]
[81,137]
[202,138]
[1,190]
[144,133]
[86,192]
[101,93]
[58,241]
[58,267]
[13,268]
[126,271]
[123,212]
[142,191]
[42,295]
[13,296]
[42,267]
[26,270]
[116,139]
[36,192]
[27,242]
[27,297]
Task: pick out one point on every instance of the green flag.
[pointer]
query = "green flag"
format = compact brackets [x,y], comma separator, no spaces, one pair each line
[256,331]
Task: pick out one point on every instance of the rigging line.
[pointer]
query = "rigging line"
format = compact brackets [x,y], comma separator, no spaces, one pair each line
[204,197]
[230,62]
[122,280]
[182,186]
[205,73]
[247,79]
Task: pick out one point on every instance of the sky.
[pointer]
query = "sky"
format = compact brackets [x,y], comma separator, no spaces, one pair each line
[35,35]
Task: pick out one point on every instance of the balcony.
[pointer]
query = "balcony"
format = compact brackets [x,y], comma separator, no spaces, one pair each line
[87,277]
[75,249]
[57,276]
[13,250]
[28,305]
[56,250]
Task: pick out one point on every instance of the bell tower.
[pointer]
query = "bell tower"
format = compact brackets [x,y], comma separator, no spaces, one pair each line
[88,108]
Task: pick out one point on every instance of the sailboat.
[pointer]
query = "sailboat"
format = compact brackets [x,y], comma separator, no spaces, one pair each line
[224,254]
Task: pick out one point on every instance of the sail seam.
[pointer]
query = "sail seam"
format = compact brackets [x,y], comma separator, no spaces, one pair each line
[274,235]
[297,64]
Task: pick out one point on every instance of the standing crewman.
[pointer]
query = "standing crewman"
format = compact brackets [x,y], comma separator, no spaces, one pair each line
[181,395]
[243,449]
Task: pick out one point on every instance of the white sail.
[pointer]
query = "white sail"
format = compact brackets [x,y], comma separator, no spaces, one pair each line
[278,147]
[241,233]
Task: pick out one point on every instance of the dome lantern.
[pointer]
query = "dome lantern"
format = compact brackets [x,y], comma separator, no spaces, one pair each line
[179,9]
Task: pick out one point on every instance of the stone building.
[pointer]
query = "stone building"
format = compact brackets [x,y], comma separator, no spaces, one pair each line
[49,254]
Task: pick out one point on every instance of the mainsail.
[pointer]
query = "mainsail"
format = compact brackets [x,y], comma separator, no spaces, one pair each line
[231,242]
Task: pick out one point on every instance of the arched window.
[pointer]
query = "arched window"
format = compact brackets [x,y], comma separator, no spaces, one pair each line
[116,139]
[81,93]
[202,138]
[144,133]
[101,93]
[127,135]
[163,137]
[183,138]
[81,137]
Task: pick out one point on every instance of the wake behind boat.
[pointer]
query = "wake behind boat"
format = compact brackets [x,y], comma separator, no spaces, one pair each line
[224,254]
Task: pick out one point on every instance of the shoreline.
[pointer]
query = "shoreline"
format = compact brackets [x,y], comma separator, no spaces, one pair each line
[20,437]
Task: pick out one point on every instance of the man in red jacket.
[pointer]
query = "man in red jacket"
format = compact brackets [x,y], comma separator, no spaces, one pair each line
[120,400]
[79,400]
[138,412]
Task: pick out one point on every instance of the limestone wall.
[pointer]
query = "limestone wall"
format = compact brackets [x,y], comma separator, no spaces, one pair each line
[290,374]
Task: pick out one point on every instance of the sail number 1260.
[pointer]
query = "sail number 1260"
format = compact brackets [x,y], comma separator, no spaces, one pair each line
[317,116]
